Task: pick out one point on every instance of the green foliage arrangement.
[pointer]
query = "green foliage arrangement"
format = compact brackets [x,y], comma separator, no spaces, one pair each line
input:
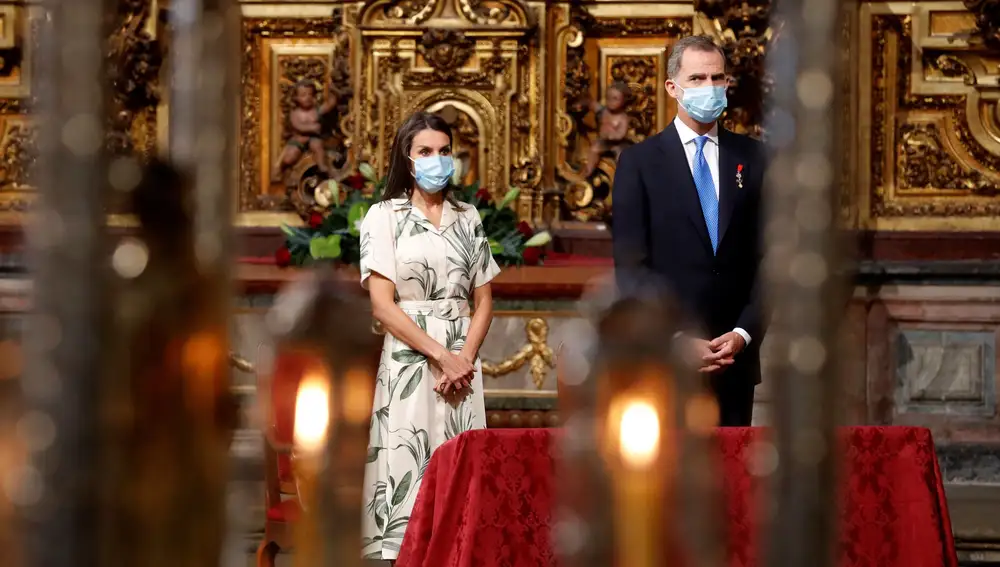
[332,233]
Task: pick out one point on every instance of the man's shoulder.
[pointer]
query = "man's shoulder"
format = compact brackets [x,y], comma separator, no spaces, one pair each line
[646,148]
[742,140]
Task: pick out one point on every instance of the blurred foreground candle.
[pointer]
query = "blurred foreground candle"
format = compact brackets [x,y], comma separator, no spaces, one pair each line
[638,480]
[629,444]
[326,337]
[312,422]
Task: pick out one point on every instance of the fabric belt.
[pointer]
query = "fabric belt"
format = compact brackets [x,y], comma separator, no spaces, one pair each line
[447,309]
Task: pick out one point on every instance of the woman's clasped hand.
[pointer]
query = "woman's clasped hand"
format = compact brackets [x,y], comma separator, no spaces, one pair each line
[457,371]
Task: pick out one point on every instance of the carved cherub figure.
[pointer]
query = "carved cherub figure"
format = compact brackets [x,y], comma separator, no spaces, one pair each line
[304,121]
[613,125]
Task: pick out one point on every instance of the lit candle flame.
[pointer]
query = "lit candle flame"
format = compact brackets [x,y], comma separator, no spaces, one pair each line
[312,414]
[639,434]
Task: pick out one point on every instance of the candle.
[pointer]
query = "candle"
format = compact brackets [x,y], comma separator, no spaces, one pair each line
[639,481]
[312,422]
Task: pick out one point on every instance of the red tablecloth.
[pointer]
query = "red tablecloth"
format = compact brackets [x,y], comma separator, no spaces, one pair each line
[487,497]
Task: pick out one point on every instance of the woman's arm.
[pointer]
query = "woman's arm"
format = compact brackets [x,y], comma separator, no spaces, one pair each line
[381,290]
[482,298]
[396,322]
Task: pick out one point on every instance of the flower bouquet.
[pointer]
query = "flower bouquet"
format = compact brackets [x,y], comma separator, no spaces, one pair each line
[332,233]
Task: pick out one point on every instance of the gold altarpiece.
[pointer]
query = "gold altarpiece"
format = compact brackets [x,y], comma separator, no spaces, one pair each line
[520,81]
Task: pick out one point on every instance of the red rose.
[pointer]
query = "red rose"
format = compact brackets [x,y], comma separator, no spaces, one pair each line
[315,220]
[282,257]
[483,195]
[355,181]
[524,228]
[532,256]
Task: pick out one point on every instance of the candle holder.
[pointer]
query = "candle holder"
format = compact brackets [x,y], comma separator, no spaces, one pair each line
[637,442]
[325,337]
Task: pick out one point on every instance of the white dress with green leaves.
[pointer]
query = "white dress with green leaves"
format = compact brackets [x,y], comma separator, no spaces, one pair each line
[410,420]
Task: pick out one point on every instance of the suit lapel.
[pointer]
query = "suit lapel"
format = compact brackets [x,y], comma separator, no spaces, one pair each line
[729,191]
[676,168]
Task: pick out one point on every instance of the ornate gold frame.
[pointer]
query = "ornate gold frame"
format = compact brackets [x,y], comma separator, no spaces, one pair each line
[928,128]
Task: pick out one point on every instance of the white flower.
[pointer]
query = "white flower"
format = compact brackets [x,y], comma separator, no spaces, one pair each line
[540,239]
[324,194]
[367,171]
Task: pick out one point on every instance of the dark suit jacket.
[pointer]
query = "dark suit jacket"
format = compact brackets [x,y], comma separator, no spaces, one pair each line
[660,234]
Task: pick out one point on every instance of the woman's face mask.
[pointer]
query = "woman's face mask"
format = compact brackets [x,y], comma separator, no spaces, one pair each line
[433,173]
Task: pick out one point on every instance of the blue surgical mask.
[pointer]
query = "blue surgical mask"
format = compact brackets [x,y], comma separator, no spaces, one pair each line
[704,104]
[433,172]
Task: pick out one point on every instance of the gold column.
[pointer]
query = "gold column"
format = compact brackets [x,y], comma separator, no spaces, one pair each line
[66,339]
[802,262]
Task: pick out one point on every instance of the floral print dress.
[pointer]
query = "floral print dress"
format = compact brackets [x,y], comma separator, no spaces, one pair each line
[435,271]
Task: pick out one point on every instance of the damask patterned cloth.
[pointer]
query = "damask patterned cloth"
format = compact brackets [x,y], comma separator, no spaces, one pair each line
[435,270]
[487,501]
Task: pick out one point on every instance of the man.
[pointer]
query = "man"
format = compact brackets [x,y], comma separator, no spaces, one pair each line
[687,214]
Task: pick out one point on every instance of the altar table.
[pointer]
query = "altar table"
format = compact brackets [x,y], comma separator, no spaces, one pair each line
[487,497]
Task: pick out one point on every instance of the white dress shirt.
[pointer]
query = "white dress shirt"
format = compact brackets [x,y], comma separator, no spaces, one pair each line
[711,151]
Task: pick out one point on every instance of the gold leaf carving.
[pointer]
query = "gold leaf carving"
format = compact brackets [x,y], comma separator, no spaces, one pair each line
[536,353]
[743,28]
[987,20]
[332,77]
[485,12]
[925,164]
[413,12]
[640,74]
[922,159]
[134,58]
[584,178]
[18,155]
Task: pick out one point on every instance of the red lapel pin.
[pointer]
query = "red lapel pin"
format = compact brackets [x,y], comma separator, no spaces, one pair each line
[739,176]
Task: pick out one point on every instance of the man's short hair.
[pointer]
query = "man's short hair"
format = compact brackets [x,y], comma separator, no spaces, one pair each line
[695,42]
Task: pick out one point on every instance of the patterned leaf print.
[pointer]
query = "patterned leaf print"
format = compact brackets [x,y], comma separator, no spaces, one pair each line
[399,493]
[426,277]
[418,228]
[411,372]
[365,246]
[373,454]
[413,382]
[460,420]
[402,224]
[455,339]
[382,374]
[463,253]
[378,506]
[419,447]
[485,255]
[408,356]
[410,376]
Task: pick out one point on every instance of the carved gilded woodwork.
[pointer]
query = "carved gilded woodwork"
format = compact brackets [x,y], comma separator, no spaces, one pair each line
[278,54]
[591,52]
[18,131]
[476,62]
[134,58]
[934,159]
[536,353]
[743,29]
[987,14]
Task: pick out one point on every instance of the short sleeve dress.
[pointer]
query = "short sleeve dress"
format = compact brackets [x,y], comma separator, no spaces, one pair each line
[435,271]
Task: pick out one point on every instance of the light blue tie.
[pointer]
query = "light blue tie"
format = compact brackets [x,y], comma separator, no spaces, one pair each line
[706,191]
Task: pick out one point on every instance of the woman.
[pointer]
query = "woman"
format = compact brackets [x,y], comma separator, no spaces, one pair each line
[424,256]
